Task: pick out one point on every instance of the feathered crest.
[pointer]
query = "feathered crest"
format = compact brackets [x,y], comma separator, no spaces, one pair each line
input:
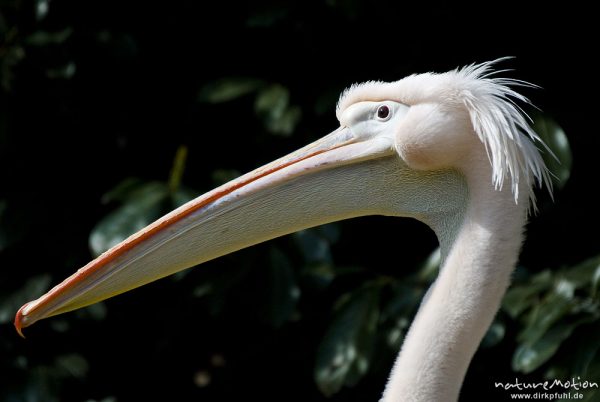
[497,119]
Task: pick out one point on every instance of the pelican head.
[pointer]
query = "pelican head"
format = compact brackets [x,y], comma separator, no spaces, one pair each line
[435,147]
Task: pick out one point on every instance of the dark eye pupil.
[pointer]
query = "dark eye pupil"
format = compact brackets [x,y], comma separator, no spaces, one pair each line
[383,111]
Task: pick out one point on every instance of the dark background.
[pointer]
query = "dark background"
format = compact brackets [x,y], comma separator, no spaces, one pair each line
[120,94]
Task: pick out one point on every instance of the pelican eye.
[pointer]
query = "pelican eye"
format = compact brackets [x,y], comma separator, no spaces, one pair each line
[383,112]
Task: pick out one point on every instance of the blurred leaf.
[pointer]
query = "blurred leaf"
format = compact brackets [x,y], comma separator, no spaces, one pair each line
[404,301]
[217,285]
[591,375]
[60,325]
[65,72]
[585,274]
[325,103]
[519,298]
[330,231]
[586,353]
[350,8]
[95,311]
[41,385]
[227,89]
[122,191]
[72,364]
[43,38]
[282,291]
[222,176]
[32,289]
[399,310]
[542,316]
[590,394]
[430,268]
[272,101]
[494,334]
[531,355]
[314,247]
[552,305]
[268,17]
[177,169]
[286,123]
[272,106]
[107,399]
[183,195]
[344,353]
[318,275]
[41,9]
[144,204]
[554,137]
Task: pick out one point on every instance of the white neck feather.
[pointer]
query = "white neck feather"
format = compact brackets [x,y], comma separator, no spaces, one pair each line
[461,304]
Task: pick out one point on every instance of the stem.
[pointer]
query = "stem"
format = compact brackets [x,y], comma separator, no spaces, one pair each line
[177,169]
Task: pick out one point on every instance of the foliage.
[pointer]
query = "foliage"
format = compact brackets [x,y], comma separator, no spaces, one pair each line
[271,103]
[558,311]
[105,115]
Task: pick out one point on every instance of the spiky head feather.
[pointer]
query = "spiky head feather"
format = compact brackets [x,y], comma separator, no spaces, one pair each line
[491,103]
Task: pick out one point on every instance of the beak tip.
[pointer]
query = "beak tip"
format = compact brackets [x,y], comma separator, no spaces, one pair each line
[21,321]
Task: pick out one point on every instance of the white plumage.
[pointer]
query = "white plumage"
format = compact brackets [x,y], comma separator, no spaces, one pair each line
[498,121]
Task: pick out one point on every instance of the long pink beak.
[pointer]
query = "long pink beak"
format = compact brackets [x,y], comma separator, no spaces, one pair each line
[320,183]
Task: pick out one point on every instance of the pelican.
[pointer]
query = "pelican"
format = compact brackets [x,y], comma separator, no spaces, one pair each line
[453,150]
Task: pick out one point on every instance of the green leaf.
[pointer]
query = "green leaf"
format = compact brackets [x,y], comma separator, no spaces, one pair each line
[398,311]
[283,292]
[122,191]
[404,301]
[97,311]
[314,247]
[494,334]
[318,275]
[228,89]
[531,355]
[268,17]
[43,38]
[584,274]
[587,352]
[430,267]
[520,298]
[272,101]
[344,353]
[73,365]
[222,176]
[554,137]
[272,106]
[217,286]
[553,307]
[286,123]
[592,375]
[63,72]
[589,395]
[330,231]
[183,195]
[325,103]
[143,205]
[41,9]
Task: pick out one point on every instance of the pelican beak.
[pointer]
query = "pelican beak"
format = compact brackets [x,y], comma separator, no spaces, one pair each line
[323,182]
